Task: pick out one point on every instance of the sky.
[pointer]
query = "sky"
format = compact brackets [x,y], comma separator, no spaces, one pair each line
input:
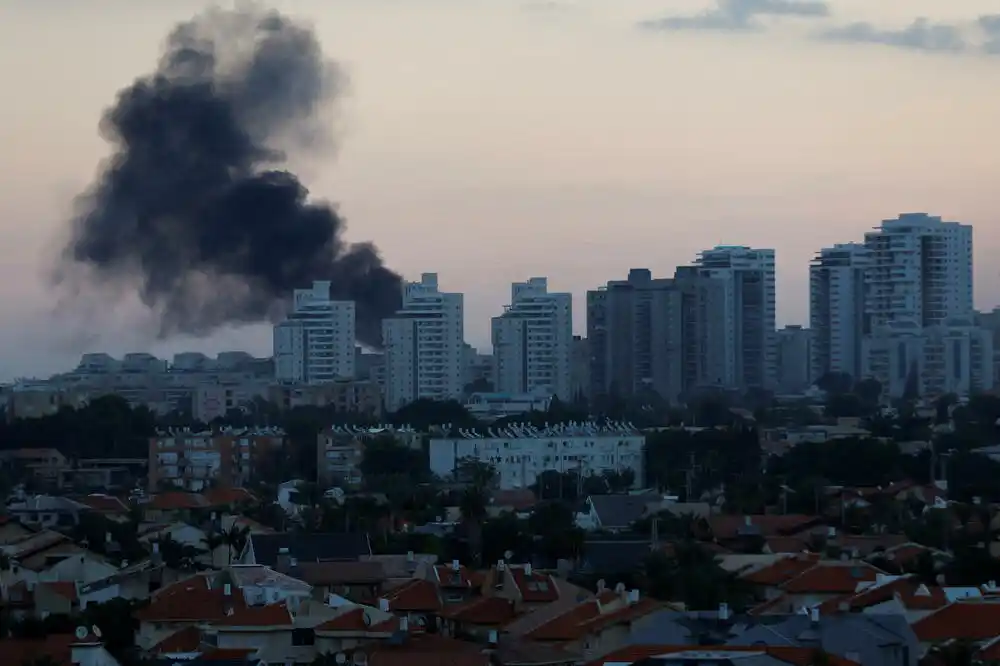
[494,140]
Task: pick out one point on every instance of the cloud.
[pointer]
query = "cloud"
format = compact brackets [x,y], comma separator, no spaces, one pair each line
[989,24]
[921,35]
[740,15]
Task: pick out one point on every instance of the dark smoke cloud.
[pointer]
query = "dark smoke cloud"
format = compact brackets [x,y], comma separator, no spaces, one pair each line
[192,210]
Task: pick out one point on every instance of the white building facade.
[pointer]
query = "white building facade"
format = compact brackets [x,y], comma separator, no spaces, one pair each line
[424,345]
[837,294]
[532,341]
[520,454]
[748,276]
[923,341]
[316,343]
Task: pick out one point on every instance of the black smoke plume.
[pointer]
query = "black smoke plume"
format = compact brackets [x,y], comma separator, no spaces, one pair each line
[192,209]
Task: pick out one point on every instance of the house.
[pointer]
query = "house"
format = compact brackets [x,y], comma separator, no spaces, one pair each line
[137,581]
[361,582]
[721,655]
[174,506]
[614,513]
[266,549]
[904,595]
[592,627]
[108,506]
[12,530]
[976,621]
[871,640]
[825,580]
[47,511]
[80,649]
[55,599]
[456,582]
[418,600]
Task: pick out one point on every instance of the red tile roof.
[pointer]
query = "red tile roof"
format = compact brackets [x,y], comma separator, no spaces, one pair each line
[227,654]
[176,501]
[270,615]
[781,571]
[832,578]
[911,593]
[65,590]
[795,656]
[192,600]
[963,620]
[729,527]
[482,611]
[187,639]
[789,544]
[228,496]
[414,596]
[15,651]
[429,650]
[592,616]
[466,578]
[534,588]
[104,503]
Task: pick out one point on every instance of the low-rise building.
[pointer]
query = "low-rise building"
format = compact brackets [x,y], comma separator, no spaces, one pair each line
[521,453]
[193,460]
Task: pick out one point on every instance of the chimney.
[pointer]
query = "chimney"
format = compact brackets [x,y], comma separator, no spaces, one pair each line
[814,614]
[724,611]
[493,637]
[527,569]
[156,547]
[748,521]
[284,561]
[383,605]
[633,596]
[456,565]
[500,565]
[601,585]
[404,624]
[227,590]
[831,532]
[410,557]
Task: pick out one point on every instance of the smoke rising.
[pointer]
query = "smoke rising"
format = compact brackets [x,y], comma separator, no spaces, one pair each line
[193,209]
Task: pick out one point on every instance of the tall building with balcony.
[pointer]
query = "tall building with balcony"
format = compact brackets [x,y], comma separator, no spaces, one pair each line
[748,276]
[921,271]
[316,343]
[794,352]
[532,341]
[424,345]
[837,294]
[195,460]
[923,338]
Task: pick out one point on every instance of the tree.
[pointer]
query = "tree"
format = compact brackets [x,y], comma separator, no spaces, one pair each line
[235,537]
[556,534]
[387,464]
[472,504]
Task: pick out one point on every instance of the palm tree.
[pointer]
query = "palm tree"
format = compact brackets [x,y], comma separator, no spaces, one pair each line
[236,538]
[473,507]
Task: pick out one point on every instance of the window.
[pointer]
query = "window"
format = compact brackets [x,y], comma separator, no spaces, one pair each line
[303,637]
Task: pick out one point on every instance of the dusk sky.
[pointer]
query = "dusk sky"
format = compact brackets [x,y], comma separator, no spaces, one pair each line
[494,140]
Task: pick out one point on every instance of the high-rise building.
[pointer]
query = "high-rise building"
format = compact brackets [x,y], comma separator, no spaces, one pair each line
[316,343]
[633,332]
[921,271]
[794,351]
[923,339]
[703,329]
[424,345]
[532,341]
[749,278]
[837,288]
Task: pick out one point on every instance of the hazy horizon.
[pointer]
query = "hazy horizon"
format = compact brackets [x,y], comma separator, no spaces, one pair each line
[494,140]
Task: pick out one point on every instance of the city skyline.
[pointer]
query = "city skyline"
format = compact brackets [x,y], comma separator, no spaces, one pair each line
[821,150]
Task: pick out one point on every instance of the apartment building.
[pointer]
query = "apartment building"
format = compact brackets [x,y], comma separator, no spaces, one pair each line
[634,336]
[794,354]
[316,343]
[837,295]
[195,460]
[520,454]
[922,338]
[424,345]
[347,396]
[532,341]
[921,271]
[748,276]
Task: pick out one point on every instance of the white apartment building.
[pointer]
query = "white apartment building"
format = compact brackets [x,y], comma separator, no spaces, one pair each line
[519,454]
[909,361]
[749,278]
[424,345]
[837,288]
[922,339]
[921,271]
[316,343]
[532,341]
